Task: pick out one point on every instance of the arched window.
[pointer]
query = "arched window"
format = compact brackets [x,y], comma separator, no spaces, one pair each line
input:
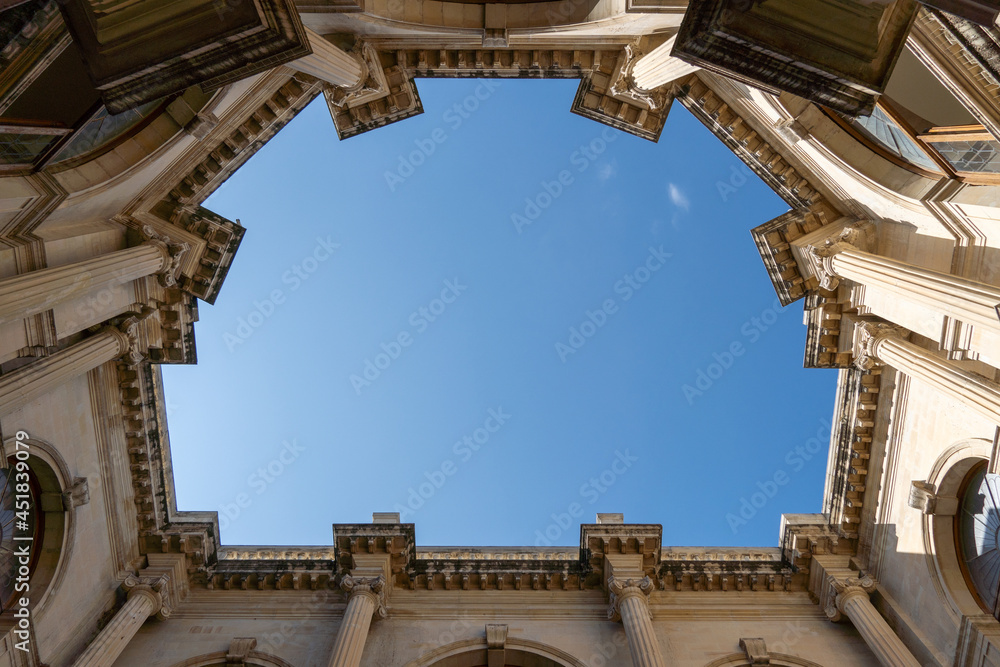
[978,535]
[21,525]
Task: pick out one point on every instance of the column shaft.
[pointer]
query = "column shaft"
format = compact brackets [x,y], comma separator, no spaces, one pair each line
[329,63]
[883,642]
[658,67]
[115,636]
[974,390]
[37,291]
[353,631]
[25,384]
[642,644]
[967,300]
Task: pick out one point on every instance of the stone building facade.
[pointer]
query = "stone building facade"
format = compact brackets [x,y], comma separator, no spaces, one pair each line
[892,243]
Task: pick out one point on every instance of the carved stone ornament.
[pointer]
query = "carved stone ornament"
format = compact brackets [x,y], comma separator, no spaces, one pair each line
[154,588]
[372,84]
[867,338]
[857,235]
[372,587]
[625,85]
[622,590]
[76,495]
[239,651]
[496,635]
[173,253]
[756,651]
[843,590]
[125,330]
[922,496]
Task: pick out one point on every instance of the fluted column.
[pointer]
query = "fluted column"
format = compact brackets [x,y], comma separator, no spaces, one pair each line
[366,599]
[658,67]
[850,597]
[963,299]
[876,343]
[37,291]
[30,382]
[329,63]
[629,604]
[145,599]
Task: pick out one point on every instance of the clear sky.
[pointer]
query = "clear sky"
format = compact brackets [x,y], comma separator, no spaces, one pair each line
[498,318]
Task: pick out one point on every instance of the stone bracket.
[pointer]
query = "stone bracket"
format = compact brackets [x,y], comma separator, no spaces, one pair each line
[756,651]
[496,640]
[239,651]
[923,497]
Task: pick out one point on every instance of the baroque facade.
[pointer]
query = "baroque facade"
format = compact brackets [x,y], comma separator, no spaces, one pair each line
[877,122]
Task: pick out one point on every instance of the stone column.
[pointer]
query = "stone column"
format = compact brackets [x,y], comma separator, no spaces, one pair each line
[20,387]
[329,63]
[37,291]
[365,600]
[658,67]
[629,604]
[963,299]
[145,599]
[876,343]
[850,597]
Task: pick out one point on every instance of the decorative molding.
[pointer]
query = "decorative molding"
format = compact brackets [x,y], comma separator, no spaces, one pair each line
[743,40]
[213,48]
[753,149]
[278,97]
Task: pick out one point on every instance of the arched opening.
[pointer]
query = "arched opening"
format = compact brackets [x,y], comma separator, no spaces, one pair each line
[950,532]
[516,653]
[977,535]
[38,503]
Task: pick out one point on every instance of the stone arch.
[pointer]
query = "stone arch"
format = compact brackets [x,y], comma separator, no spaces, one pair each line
[218,659]
[778,659]
[56,483]
[472,653]
[947,475]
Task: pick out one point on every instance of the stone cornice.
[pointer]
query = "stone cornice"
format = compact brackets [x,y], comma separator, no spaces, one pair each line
[748,143]
[854,425]
[679,569]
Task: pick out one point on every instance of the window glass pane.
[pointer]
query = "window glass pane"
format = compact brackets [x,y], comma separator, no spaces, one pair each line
[23,148]
[971,156]
[979,528]
[883,130]
[102,129]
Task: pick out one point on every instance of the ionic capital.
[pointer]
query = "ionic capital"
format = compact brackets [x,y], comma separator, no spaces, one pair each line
[625,84]
[821,260]
[172,254]
[855,236]
[125,330]
[844,590]
[154,589]
[370,587]
[622,590]
[868,336]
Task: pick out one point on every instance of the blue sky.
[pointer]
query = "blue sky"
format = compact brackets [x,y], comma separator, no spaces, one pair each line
[499,319]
